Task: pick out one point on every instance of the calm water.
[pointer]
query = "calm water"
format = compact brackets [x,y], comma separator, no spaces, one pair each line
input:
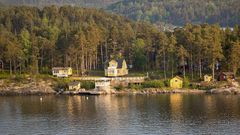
[139,114]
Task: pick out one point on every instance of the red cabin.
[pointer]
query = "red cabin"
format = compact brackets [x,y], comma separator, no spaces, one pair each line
[224,76]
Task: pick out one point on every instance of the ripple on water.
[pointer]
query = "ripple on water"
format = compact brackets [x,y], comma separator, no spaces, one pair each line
[139,114]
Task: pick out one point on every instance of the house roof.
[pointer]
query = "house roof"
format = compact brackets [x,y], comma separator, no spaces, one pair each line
[228,73]
[61,68]
[119,62]
[178,77]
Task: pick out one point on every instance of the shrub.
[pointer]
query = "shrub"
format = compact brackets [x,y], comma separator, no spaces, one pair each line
[153,84]
[120,87]
[19,77]
[167,83]
[186,83]
[135,86]
[87,85]
[62,84]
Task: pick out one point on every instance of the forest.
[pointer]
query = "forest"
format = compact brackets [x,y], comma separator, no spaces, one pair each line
[180,12]
[34,40]
[42,3]
[170,12]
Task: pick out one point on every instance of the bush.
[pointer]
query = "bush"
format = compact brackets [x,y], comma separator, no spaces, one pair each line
[4,75]
[120,87]
[87,85]
[154,84]
[62,84]
[19,77]
[135,86]
[167,83]
[186,83]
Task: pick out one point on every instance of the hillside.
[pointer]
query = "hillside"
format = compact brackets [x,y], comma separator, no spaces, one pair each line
[42,3]
[180,12]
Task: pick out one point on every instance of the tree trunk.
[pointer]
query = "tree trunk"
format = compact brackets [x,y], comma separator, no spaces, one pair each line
[102,66]
[164,64]
[77,67]
[192,66]
[172,65]
[200,68]
[1,65]
[14,66]
[10,68]
[184,70]
[213,71]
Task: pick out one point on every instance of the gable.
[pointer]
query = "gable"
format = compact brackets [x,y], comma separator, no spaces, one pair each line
[113,63]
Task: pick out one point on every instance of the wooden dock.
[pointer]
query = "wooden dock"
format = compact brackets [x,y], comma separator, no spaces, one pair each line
[83,92]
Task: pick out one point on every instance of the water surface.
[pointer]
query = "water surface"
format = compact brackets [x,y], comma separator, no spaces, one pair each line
[120,114]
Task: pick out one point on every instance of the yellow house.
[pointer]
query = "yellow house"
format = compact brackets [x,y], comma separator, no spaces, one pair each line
[207,78]
[176,82]
[116,68]
[74,86]
[62,71]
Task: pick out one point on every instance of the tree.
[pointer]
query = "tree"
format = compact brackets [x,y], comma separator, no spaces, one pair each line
[162,48]
[215,52]
[139,57]
[172,50]
[182,55]
[235,56]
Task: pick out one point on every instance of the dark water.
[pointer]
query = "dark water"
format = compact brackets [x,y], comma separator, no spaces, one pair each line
[139,114]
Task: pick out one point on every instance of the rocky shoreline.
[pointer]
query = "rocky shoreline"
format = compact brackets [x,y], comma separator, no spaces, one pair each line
[42,88]
[46,88]
[160,91]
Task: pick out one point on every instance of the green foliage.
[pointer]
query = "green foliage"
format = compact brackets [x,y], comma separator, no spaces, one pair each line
[186,82]
[135,86]
[167,83]
[154,84]
[118,88]
[86,38]
[88,85]
[82,3]
[179,12]
[62,83]
[140,59]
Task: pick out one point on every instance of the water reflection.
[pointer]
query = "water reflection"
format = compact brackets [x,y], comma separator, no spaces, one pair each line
[120,114]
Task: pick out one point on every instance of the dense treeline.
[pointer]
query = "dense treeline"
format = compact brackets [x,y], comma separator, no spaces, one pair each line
[40,3]
[34,40]
[180,12]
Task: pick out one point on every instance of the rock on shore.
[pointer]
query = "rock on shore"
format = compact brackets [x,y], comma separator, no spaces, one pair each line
[27,89]
[230,90]
[160,91]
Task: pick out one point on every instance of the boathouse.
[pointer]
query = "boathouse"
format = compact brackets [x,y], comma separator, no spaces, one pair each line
[74,85]
[176,82]
[103,84]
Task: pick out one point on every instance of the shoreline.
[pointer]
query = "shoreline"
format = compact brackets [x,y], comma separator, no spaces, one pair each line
[48,87]
[36,91]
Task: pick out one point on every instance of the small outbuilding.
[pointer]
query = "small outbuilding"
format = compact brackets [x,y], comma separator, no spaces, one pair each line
[103,84]
[176,82]
[62,71]
[226,76]
[208,78]
[74,85]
